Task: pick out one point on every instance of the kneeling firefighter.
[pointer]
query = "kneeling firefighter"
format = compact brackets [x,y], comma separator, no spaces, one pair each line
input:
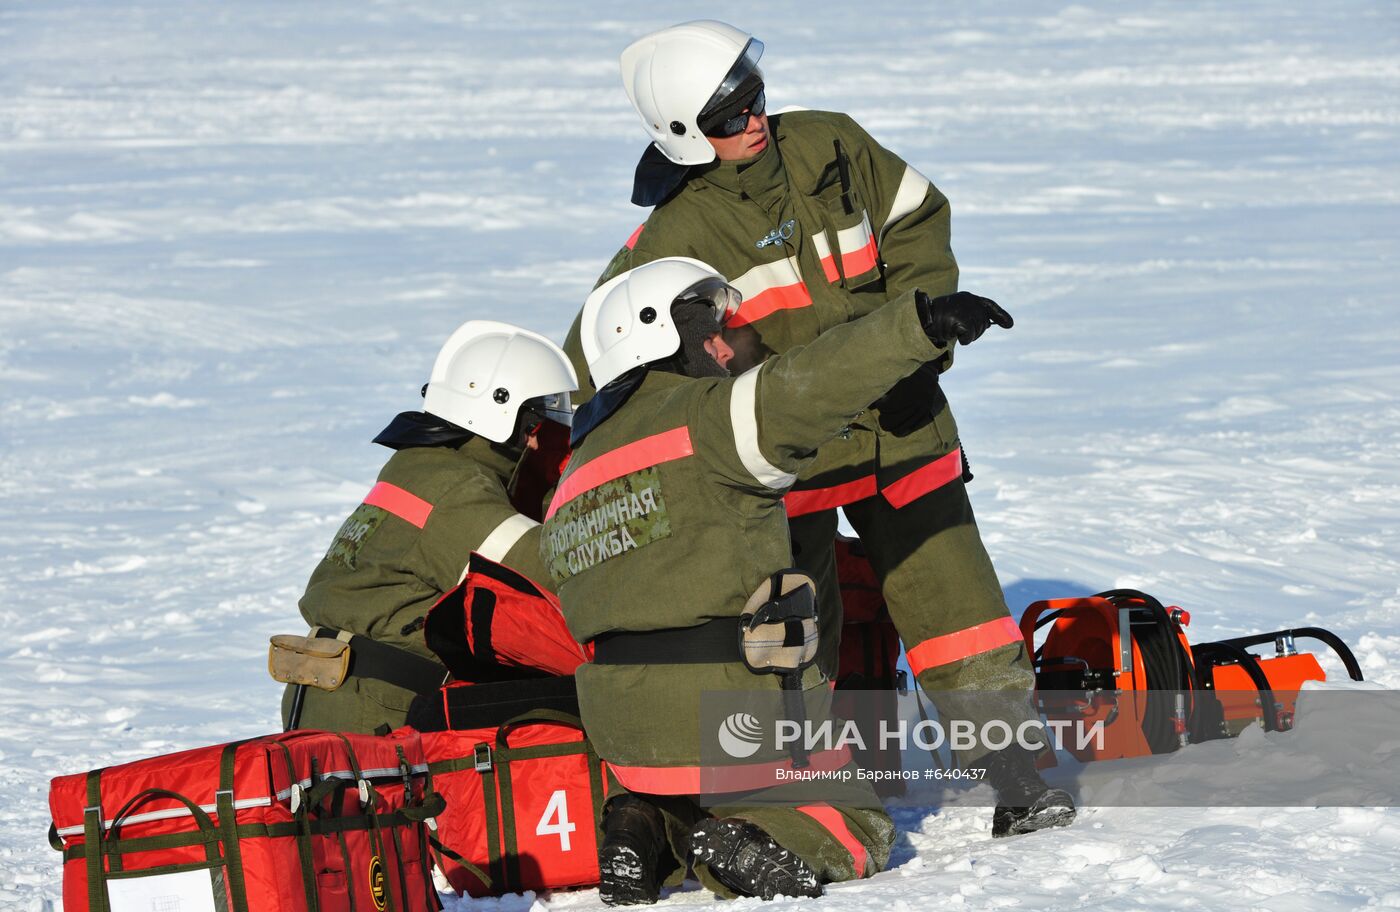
[667,532]
[444,494]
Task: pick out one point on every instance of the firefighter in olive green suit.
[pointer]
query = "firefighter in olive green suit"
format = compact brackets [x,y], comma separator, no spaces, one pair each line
[440,497]
[666,521]
[817,224]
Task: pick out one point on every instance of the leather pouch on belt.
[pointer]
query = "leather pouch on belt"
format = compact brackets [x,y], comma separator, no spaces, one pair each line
[778,635]
[778,626]
[314,661]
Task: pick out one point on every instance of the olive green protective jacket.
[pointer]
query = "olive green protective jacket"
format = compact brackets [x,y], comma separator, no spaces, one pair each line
[670,514]
[408,544]
[823,226]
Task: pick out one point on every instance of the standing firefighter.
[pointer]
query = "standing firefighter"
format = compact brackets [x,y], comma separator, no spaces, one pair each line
[667,529]
[817,225]
[440,497]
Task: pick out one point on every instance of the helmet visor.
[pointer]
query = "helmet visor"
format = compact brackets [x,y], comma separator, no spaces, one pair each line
[724,299]
[556,407]
[736,90]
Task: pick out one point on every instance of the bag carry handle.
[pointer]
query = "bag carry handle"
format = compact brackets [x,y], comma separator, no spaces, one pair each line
[201,818]
[97,873]
[536,715]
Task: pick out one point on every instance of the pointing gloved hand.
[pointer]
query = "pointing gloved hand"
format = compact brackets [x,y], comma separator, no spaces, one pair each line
[962,315]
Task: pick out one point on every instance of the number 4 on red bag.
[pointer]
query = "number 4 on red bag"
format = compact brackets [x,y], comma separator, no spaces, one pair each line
[558,807]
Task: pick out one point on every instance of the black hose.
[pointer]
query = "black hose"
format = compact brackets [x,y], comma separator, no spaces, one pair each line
[1342,650]
[1166,667]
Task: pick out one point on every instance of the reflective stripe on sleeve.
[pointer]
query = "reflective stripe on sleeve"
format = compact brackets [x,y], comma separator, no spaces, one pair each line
[408,507]
[916,484]
[635,456]
[834,823]
[502,538]
[800,503]
[632,241]
[962,644]
[911,487]
[913,187]
[768,288]
[743,416]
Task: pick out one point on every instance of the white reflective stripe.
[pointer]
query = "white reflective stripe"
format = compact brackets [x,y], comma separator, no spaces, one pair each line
[498,544]
[416,769]
[856,237]
[181,811]
[743,415]
[777,274]
[823,246]
[913,187]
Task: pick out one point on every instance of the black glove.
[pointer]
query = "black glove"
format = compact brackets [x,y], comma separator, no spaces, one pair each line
[912,402]
[963,316]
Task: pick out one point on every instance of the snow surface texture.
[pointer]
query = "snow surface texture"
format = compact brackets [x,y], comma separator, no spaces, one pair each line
[232,237]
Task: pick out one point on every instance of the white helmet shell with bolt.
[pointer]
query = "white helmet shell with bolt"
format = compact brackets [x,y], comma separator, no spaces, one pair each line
[487,370]
[627,320]
[671,75]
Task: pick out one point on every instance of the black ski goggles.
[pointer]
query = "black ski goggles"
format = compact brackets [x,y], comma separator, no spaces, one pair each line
[735,124]
[724,299]
[739,95]
[556,407]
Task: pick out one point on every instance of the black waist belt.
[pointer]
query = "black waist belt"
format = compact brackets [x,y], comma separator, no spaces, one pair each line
[710,642]
[382,662]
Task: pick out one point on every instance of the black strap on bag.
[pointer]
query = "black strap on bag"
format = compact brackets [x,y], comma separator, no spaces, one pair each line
[369,802]
[492,704]
[301,817]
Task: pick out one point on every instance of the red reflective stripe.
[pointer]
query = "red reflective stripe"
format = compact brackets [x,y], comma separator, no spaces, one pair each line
[960,644]
[700,780]
[829,268]
[859,261]
[637,455]
[771,300]
[800,503]
[632,241]
[919,482]
[408,507]
[834,823]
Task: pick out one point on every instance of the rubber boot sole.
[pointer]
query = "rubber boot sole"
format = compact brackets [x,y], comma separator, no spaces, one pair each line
[623,878]
[1053,809]
[748,861]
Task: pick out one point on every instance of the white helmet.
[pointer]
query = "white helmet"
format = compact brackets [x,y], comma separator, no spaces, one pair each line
[487,370]
[671,76]
[627,320]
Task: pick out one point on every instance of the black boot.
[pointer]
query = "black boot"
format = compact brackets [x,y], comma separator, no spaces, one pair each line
[749,861]
[1024,802]
[629,857]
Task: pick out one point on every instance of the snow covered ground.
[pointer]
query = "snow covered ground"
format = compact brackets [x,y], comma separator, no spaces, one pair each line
[233,235]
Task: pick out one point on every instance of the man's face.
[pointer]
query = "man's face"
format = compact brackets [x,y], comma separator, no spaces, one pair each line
[747,144]
[719,350]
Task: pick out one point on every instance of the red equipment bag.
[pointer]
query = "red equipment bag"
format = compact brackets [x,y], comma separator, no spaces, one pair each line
[868,661]
[524,801]
[306,821]
[499,625]
[869,641]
